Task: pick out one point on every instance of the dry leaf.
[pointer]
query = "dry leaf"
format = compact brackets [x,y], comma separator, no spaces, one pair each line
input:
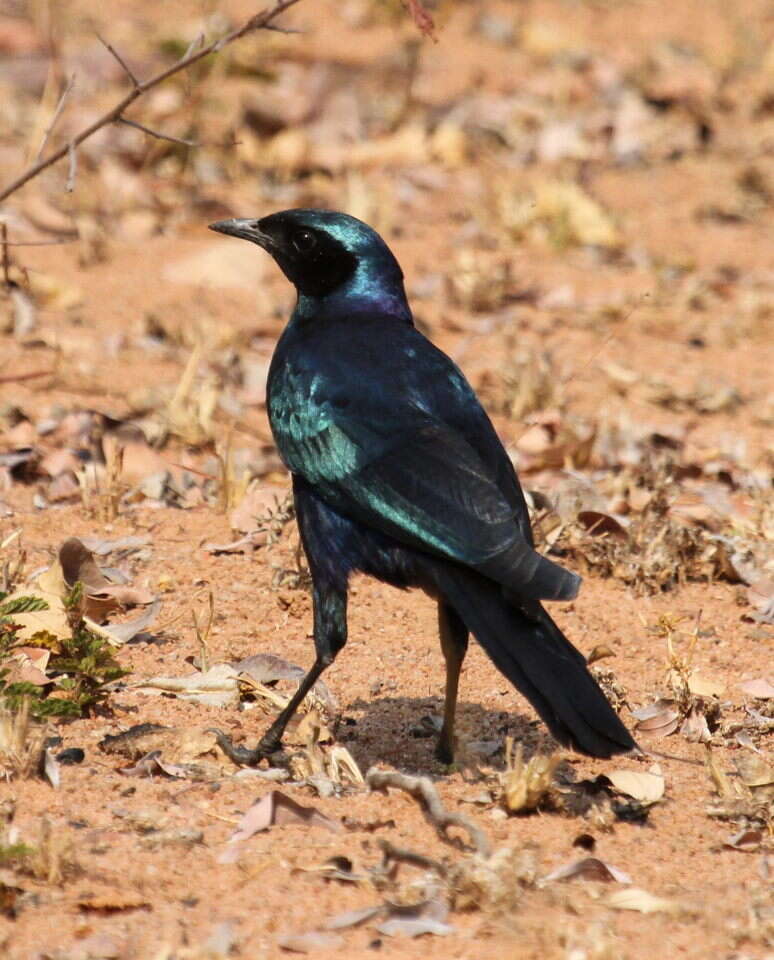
[274,809]
[695,728]
[215,687]
[761,688]
[353,918]
[51,768]
[760,595]
[748,841]
[659,718]
[51,587]
[590,868]
[755,770]
[112,901]
[600,652]
[100,595]
[646,787]
[117,634]
[600,524]
[177,744]
[310,942]
[417,919]
[704,687]
[525,785]
[639,900]
[120,545]
[246,544]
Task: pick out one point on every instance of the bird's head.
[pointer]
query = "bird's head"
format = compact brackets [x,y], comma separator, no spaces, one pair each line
[326,254]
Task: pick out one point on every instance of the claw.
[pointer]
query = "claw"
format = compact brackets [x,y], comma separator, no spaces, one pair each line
[241,755]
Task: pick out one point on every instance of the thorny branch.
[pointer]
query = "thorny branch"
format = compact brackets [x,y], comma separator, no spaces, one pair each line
[423,790]
[258,22]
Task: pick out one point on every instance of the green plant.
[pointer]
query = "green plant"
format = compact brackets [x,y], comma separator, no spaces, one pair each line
[80,666]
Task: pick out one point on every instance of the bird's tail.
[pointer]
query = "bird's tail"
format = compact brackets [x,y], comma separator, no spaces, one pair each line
[534,654]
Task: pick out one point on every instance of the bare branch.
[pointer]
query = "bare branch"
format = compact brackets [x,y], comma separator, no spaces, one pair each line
[34,243]
[393,854]
[56,116]
[197,41]
[6,255]
[258,22]
[276,28]
[423,790]
[155,133]
[72,168]
[19,377]
[122,63]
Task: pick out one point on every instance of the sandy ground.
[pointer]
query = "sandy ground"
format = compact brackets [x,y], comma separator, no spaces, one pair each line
[651,308]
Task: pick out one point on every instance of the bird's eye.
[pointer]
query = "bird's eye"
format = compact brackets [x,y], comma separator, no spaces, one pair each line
[304,241]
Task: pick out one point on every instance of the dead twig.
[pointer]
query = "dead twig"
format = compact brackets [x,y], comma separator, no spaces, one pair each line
[34,243]
[72,167]
[156,134]
[120,60]
[258,22]
[19,377]
[393,854]
[423,791]
[55,117]
[6,255]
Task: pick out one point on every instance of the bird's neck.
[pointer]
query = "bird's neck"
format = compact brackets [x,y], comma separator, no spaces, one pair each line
[370,289]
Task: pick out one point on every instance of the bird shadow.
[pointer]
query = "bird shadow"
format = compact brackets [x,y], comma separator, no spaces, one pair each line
[403,731]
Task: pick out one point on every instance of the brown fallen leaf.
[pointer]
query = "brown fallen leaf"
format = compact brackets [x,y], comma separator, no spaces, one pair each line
[760,595]
[695,728]
[177,744]
[634,898]
[353,918]
[247,544]
[648,788]
[153,763]
[310,942]
[214,687]
[598,524]
[756,771]
[659,718]
[761,688]
[117,634]
[748,841]
[112,901]
[127,544]
[43,626]
[600,652]
[705,687]
[274,809]
[28,665]
[415,920]
[100,595]
[267,668]
[590,868]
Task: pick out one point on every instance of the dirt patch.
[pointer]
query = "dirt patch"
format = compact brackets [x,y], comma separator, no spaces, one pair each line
[581,197]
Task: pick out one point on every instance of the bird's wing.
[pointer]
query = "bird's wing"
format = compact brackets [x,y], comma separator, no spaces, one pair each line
[412,476]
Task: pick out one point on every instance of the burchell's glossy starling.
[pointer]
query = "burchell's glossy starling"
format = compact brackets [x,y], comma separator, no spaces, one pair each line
[399,473]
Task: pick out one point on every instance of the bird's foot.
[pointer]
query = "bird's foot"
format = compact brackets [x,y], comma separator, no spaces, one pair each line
[241,755]
[444,752]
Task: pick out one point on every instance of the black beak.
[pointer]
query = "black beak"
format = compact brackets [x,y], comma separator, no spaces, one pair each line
[245,230]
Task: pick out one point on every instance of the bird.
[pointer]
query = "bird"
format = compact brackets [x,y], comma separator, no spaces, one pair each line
[398,473]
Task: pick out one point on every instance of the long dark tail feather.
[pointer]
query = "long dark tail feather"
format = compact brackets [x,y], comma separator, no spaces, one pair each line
[539,661]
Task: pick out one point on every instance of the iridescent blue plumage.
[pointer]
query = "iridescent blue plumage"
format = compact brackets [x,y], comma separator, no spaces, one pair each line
[398,472]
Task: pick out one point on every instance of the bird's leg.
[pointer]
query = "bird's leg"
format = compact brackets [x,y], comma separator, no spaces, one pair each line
[454,643]
[330,635]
